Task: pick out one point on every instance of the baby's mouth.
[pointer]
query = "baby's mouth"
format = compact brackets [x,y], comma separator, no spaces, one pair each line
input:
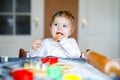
[59,33]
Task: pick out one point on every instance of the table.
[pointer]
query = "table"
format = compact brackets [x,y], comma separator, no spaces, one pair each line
[81,69]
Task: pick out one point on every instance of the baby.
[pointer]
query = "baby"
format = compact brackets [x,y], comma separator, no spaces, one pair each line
[60,45]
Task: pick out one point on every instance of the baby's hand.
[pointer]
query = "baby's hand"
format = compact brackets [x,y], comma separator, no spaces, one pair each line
[36,44]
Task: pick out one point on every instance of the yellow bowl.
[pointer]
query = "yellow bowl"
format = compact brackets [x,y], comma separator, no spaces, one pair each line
[71,77]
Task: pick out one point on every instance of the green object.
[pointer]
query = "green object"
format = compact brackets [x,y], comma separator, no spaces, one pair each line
[54,72]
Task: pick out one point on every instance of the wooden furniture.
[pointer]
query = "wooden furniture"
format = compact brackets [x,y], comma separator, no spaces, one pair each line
[22,53]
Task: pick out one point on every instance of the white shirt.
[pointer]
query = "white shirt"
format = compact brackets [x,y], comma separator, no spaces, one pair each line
[66,48]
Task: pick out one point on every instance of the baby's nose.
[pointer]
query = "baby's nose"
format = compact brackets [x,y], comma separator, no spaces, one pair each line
[59,27]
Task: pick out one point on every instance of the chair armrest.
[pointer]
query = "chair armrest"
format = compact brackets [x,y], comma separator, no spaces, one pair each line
[22,53]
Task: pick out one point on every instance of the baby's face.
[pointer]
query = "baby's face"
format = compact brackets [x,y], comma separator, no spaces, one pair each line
[61,25]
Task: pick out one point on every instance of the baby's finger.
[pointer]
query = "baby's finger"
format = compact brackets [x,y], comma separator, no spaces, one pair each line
[60,38]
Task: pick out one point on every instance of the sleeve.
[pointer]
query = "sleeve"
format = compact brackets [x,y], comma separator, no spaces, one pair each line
[71,47]
[39,53]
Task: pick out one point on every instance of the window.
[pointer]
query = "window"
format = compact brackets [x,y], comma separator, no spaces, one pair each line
[15,17]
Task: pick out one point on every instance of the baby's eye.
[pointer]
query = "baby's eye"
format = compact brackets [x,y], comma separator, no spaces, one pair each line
[65,26]
[55,24]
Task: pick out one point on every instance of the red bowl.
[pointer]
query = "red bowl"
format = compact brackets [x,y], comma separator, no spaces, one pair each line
[22,74]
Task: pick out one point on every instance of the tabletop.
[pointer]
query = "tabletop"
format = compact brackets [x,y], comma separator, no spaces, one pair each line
[80,68]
